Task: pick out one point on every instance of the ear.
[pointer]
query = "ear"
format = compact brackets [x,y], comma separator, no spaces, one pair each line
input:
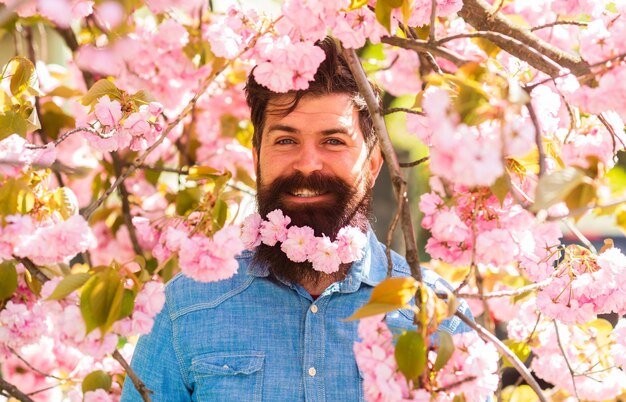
[255,158]
[376,163]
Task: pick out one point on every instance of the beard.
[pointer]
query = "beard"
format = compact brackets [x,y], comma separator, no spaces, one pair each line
[345,206]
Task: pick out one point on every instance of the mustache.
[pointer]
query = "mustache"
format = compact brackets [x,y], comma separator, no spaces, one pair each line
[316,182]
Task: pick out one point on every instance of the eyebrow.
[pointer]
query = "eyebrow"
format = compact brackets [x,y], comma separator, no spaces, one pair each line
[289,129]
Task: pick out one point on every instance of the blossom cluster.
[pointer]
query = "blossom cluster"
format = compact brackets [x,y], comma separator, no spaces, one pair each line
[137,130]
[300,243]
[471,371]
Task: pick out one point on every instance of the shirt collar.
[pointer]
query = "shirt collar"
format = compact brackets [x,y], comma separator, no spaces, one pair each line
[371,269]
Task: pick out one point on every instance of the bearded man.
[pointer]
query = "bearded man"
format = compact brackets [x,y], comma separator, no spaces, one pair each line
[276,330]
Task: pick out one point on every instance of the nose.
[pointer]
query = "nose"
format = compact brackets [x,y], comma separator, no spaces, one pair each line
[308,160]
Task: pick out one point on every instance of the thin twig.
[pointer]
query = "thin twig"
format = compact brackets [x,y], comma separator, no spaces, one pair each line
[402,109]
[455,384]
[32,269]
[392,229]
[610,129]
[139,385]
[414,163]
[508,292]
[433,19]
[578,211]
[538,141]
[423,46]
[561,22]
[412,253]
[124,195]
[504,350]
[13,391]
[65,135]
[30,366]
[569,367]
[583,239]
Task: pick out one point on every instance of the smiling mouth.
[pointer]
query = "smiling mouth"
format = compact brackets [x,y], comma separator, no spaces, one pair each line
[306,193]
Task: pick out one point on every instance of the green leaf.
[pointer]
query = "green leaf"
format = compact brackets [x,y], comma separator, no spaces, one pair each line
[383,14]
[521,350]
[101,88]
[12,123]
[581,196]
[128,304]
[69,284]
[54,119]
[392,3]
[410,354]
[86,308]
[187,199]
[203,172]
[8,279]
[16,196]
[101,300]
[500,188]
[64,201]
[97,380]
[555,187]
[220,213]
[389,295]
[64,92]
[142,97]
[445,350]
[23,75]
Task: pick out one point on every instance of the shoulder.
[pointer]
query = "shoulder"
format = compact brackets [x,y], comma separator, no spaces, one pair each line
[403,318]
[184,295]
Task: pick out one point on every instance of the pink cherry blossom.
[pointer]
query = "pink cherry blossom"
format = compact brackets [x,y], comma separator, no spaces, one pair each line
[350,244]
[275,228]
[250,234]
[325,258]
[108,112]
[299,244]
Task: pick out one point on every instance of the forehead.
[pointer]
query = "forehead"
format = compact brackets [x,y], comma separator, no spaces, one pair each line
[313,111]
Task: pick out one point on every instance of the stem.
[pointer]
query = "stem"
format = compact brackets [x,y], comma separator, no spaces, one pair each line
[139,385]
[578,211]
[509,293]
[392,228]
[123,191]
[562,22]
[478,14]
[402,109]
[412,254]
[538,142]
[433,19]
[414,163]
[572,228]
[422,46]
[32,269]
[569,367]
[13,391]
[505,351]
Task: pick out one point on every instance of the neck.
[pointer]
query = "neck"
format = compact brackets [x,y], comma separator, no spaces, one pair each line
[318,287]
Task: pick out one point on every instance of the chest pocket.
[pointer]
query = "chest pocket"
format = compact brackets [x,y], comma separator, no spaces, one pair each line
[236,376]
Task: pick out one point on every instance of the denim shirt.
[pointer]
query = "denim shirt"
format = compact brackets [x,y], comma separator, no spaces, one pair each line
[255,338]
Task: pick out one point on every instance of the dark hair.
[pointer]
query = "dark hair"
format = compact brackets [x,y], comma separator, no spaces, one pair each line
[332,77]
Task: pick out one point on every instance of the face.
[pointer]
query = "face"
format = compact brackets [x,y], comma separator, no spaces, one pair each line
[314,165]
[320,138]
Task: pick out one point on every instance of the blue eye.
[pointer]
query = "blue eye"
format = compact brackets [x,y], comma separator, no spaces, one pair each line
[334,141]
[285,141]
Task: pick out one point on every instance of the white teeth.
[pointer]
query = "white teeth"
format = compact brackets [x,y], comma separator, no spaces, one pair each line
[305,193]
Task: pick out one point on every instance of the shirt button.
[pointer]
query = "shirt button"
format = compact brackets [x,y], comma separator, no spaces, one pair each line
[312,371]
[314,308]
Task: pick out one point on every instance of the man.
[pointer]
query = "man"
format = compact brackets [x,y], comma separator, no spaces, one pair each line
[276,330]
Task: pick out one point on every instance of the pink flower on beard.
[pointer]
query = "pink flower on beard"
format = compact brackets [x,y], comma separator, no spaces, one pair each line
[299,244]
[275,228]
[250,231]
[325,258]
[108,112]
[351,242]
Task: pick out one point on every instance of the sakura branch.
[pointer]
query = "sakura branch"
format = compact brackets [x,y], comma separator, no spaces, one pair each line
[478,14]
[505,351]
[412,254]
[424,46]
[507,293]
[558,22]
[13,391]
[402,109]
[414,163]
[139,385]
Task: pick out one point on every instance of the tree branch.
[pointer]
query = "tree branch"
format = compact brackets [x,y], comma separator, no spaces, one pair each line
[13,391]
[139,385]
[412,254]
[32,269]
[414,163]
[424,47]
[569,367]
[554,23]
[123,191]
[507,293]
[402,109]
[538,142]
[505,351]
[477,13]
